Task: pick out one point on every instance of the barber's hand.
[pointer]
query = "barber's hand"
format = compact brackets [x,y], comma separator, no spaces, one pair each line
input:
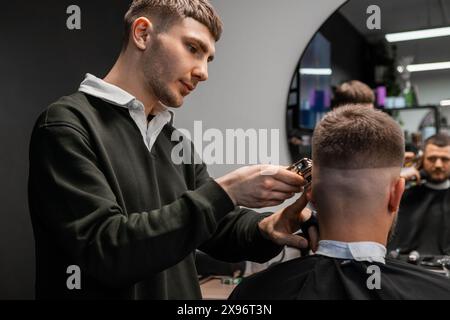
[410,173]
[261,186]
[280,226]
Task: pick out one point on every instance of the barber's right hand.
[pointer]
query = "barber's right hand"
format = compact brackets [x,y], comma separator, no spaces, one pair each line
[261,186]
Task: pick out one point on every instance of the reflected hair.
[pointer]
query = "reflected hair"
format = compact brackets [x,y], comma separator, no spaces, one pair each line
[352,92]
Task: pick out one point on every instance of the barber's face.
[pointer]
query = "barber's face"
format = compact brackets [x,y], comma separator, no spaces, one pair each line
[177,60]
[436,162]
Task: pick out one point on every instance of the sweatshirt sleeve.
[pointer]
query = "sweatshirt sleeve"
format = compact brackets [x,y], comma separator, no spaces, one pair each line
[72,200]
[238,236]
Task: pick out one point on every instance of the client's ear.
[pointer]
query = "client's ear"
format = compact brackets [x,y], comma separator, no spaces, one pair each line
[396,192]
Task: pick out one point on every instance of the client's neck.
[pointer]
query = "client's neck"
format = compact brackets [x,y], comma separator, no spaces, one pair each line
[352,226]
[359,235]
[352,205]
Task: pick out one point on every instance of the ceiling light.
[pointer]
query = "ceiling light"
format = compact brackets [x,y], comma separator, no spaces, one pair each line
[445,103]
[419,34]
[316,71]
[428,66]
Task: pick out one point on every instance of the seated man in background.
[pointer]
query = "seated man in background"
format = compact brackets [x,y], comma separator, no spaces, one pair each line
[424,215]
[356,189]
[353,92]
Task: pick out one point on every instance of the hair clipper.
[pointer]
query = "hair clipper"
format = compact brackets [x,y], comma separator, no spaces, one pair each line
[303,167]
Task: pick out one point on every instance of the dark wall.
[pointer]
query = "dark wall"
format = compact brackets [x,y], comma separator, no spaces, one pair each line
[350,52]
[41,60]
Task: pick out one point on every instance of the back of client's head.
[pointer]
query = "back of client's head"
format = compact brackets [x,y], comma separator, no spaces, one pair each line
[357,154]
[353,92]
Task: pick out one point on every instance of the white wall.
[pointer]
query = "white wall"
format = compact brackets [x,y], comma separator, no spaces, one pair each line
[433,86]
[255,61]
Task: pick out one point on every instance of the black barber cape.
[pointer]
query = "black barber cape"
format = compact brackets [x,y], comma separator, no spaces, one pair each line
[320,277]
[423,222]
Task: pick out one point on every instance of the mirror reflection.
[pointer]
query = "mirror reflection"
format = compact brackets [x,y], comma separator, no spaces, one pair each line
[405,74]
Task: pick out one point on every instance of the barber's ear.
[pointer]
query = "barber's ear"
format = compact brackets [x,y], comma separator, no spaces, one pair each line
[396,193]
[140,32]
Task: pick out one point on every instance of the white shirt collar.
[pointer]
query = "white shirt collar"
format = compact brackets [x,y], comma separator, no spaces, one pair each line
[438,186]
[359,251]
[112,94]
[108,92]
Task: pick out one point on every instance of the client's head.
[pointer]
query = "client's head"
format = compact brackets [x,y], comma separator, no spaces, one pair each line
[356,187]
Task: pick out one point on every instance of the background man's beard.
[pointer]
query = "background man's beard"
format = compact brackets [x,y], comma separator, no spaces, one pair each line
[430,179]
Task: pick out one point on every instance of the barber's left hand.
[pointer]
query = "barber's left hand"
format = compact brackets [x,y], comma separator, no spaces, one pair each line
[280,226]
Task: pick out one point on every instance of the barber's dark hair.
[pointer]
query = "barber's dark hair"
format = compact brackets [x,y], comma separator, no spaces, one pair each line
[166,12]
[352,92]
[352,137]
[441,140]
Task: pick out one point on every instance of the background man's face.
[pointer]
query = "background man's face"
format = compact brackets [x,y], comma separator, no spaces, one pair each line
[436,162]
[177,61]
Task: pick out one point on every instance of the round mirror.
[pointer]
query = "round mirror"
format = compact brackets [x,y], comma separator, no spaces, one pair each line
[392,54]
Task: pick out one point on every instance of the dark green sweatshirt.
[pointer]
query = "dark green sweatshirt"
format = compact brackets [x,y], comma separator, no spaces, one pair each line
[129,218]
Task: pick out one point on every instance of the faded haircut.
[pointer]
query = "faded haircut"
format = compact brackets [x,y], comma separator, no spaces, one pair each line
[351,137]
[167,12]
